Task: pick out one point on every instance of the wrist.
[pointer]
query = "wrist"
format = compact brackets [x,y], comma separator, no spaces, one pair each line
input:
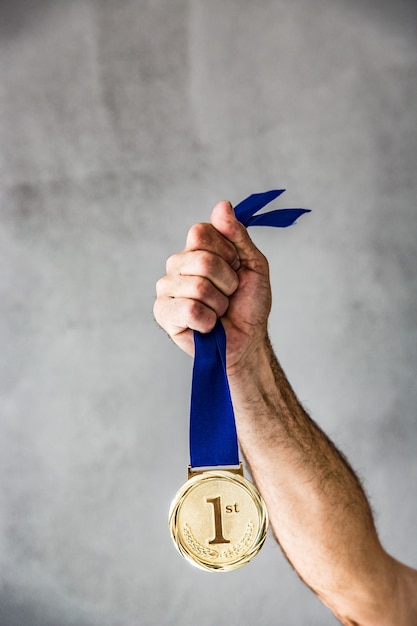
[252,361]
[251,379]
[258,386]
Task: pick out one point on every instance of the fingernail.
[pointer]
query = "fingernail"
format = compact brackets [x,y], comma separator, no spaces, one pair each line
[236,264]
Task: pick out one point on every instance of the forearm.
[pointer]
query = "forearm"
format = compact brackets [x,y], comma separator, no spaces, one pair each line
[317,507]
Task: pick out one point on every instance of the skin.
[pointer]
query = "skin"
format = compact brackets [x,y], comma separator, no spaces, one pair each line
[317,507]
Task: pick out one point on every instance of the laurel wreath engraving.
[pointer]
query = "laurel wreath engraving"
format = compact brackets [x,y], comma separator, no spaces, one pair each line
[192,541]
[240,545]
[226,554]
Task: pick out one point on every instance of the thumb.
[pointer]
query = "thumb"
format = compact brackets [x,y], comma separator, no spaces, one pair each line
[224,220]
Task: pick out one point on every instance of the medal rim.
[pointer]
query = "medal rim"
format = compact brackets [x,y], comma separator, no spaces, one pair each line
[181,495]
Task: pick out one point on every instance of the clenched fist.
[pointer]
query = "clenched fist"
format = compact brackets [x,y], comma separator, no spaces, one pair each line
[219,274]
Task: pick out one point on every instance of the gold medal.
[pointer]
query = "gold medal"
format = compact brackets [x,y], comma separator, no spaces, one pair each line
[218,520]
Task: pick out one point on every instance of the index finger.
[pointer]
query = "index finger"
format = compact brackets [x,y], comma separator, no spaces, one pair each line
[205,237]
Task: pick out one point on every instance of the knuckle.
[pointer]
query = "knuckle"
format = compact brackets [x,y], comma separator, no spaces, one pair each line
[160,286]
[195,309]
[201,288]
[197,235]
[206,263]
[171,263]
[206,293]
[201,317]
[215,269]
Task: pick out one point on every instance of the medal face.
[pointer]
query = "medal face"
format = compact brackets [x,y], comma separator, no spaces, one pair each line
[218,520]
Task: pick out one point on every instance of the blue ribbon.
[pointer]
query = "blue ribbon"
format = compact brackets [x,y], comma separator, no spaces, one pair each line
[213,437]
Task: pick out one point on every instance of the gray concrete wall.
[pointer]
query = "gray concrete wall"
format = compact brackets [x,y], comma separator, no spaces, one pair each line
[122,123]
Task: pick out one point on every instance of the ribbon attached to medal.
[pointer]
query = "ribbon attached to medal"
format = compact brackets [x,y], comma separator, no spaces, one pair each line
[218,519]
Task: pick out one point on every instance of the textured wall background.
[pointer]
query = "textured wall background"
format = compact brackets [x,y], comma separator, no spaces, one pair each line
[122,122]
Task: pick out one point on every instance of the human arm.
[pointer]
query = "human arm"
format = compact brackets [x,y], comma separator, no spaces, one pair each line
[317,508]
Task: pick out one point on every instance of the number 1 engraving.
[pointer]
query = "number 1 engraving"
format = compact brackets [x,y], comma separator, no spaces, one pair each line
[218,526]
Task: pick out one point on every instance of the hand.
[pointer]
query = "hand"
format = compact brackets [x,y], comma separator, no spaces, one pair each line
[220,273]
